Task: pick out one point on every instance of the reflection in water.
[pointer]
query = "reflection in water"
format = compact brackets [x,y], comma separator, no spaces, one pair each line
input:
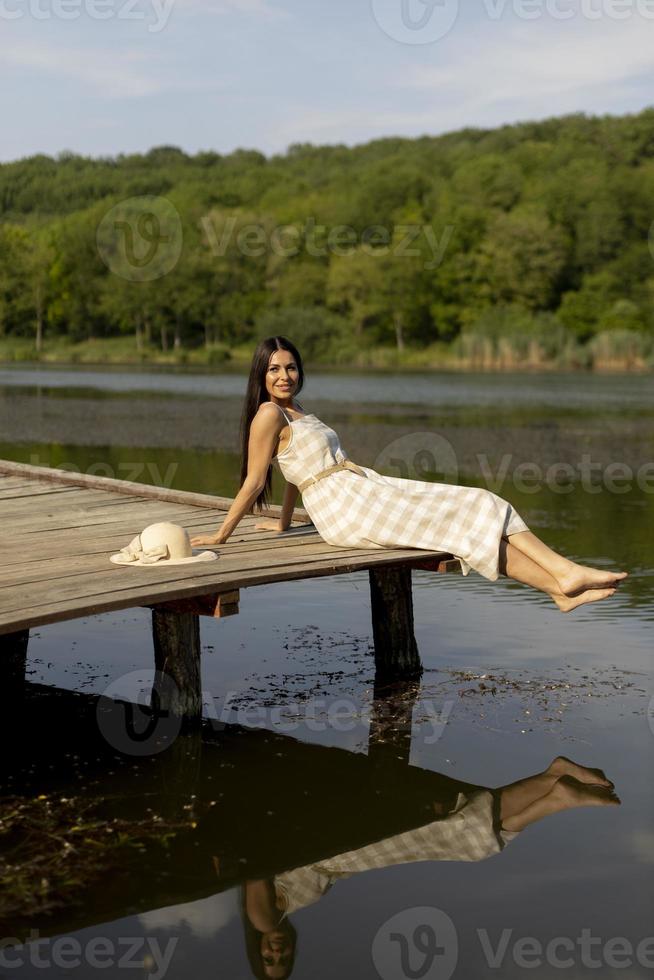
[280,819]
[479,825]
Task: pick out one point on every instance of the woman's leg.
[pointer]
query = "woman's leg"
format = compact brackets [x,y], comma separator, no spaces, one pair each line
[570,577]
[518,566]
[563,785]
[566,793]
[516,796]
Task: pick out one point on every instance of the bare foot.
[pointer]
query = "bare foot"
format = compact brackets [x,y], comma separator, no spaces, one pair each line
[568,792]
[568,603]
[584,774]
[580,578]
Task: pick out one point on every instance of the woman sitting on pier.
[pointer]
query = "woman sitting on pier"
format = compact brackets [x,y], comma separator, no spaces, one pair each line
[355,507]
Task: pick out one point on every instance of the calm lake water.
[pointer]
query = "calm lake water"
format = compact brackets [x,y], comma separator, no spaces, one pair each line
[302,760]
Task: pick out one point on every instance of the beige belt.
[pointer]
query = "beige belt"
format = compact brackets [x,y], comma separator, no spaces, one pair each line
[345,465]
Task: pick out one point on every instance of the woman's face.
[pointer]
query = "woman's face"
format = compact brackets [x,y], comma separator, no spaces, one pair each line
[281,376]
[276,953]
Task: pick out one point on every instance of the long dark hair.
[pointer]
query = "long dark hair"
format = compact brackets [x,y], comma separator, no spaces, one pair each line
[255,395]
[253,941]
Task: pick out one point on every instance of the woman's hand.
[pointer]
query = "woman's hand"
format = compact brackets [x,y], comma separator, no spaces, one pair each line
[204,539]
[269,524]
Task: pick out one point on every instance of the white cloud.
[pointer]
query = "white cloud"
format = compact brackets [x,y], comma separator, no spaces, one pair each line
[130,74]
[204,918]
[258,8]
[539,59]
[642,842]
[503,74]
[126,75]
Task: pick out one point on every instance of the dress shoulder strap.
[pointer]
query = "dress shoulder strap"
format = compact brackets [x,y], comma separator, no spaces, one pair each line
[282,411]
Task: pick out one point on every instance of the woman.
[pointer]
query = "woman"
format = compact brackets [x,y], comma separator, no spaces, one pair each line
[479,825]
[356,507]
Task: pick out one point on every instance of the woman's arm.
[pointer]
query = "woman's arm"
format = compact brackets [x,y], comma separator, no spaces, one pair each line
[261,905]
[264,434]
[291,494]
[273,524]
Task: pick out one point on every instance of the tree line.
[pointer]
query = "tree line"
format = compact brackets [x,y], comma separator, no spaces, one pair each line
[535,236]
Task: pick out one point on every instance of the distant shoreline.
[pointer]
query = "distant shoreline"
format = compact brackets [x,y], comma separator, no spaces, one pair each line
[108,353]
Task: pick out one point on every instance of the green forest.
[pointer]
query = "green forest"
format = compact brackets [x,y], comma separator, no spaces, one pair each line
[530,245]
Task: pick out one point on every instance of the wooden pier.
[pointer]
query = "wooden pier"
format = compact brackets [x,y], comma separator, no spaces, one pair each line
[59,529]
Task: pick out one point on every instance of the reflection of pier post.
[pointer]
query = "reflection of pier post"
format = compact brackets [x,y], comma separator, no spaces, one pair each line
[179,768]
[391,721]
[396,650]
[13,661]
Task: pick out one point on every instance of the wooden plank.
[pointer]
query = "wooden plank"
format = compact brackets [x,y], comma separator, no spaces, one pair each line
[72,500]
[15,481]
[137,511]
[130,525]
[127,486]
[43,569]
[57,543]
[57,610]
[233,556]
[52,548]
[115,578]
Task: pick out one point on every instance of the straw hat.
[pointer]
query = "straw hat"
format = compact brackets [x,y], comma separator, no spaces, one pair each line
[161,544]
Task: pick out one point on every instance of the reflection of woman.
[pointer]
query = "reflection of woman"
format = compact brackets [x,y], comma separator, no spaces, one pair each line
[356,507]
[479,825]
[270,939]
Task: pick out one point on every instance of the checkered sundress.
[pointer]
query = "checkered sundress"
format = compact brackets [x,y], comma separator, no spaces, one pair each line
[375,511]
[470,832]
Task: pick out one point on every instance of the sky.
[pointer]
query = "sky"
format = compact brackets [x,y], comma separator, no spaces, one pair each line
[103,77]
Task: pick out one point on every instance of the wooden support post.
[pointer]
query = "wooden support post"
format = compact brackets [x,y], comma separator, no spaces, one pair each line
[396,650]
[178,683]
[13,661]
[217,605]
